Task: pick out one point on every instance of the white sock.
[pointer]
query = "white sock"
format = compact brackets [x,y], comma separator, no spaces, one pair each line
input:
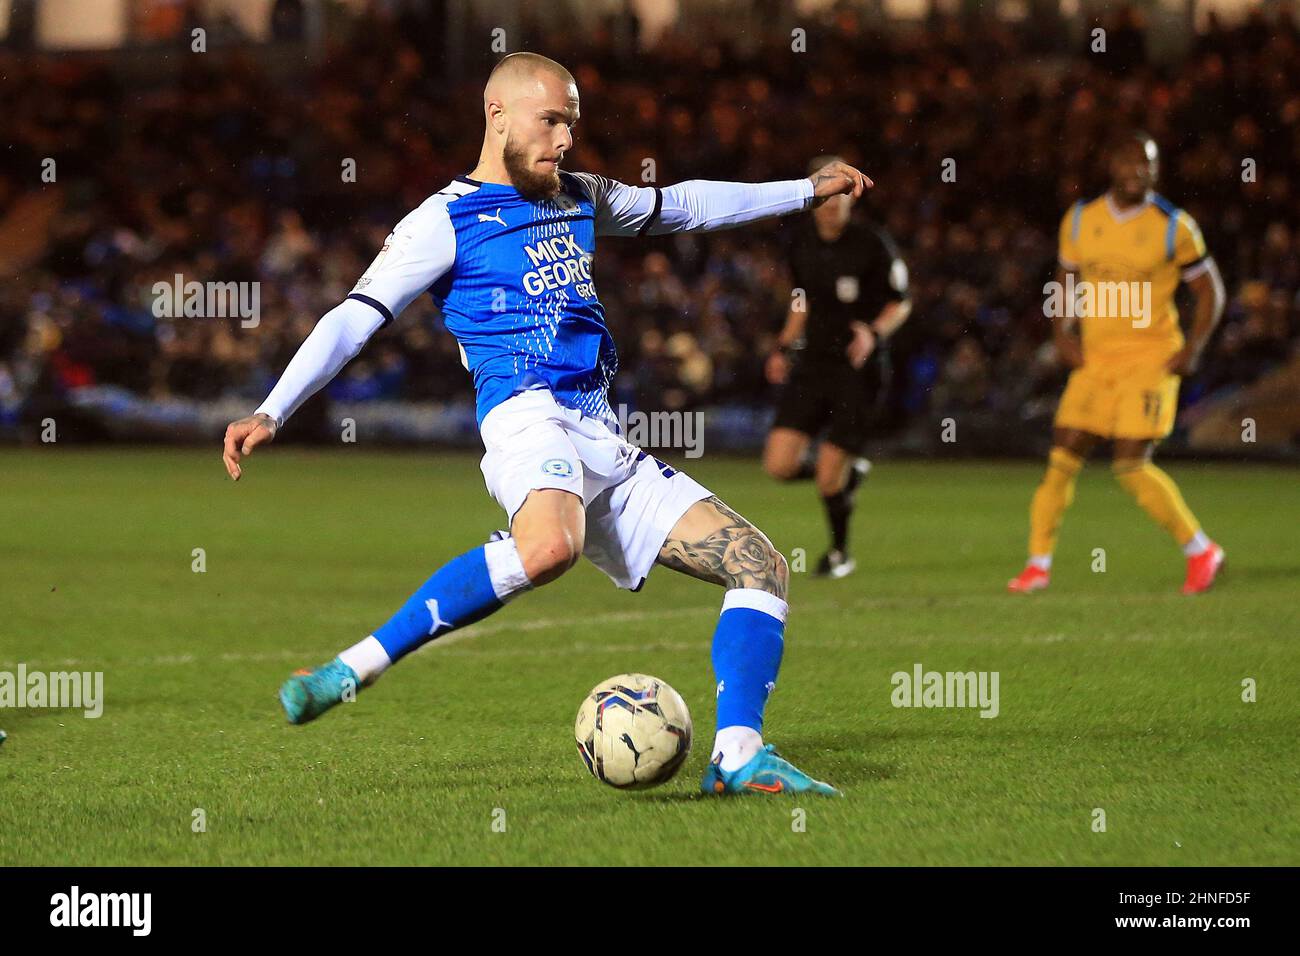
[368,658]
[505,567]
[737,745]
[1198,545]
[1041,561]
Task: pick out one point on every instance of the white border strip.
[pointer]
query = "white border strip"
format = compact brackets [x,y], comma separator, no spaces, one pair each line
[756,600]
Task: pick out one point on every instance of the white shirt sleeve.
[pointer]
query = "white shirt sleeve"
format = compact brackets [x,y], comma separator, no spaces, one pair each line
[335,341]
[417,253]
[697,204]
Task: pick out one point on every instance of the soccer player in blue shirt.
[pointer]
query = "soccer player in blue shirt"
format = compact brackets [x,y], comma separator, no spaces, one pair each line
[506,254]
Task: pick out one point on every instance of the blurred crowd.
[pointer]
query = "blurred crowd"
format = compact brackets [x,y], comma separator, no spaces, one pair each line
[230,170]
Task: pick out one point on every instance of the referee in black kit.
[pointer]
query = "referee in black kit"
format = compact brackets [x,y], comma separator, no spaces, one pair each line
[831,357]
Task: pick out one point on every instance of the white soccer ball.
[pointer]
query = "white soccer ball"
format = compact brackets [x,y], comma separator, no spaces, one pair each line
[633,731]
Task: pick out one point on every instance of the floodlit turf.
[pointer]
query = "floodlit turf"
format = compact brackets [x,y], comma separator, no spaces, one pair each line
[1115,692]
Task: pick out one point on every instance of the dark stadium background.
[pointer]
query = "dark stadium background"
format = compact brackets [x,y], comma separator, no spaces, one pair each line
[1136,727]
[225,166]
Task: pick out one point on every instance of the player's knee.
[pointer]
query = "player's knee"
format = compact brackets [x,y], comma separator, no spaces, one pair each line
[547,556]
[828,486]
[776,576]
[762,566]
[1127,472]
[781,570]
[780,467]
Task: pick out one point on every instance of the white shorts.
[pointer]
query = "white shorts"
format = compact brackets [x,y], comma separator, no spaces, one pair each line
[632,499]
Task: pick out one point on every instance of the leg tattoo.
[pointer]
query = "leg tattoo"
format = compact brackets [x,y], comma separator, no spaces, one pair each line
[733,554]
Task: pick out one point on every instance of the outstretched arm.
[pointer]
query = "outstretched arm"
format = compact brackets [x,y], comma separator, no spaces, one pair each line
[704,205]
[337,338]
[418,252]
[340,334]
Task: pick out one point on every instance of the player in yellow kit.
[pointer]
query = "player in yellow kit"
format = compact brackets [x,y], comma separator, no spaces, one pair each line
[1122,257]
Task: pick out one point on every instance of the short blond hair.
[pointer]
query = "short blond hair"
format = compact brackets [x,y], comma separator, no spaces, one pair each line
[520,65]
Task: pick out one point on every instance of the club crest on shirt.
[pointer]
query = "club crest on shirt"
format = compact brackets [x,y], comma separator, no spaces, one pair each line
[374,266]
[565,203]
[846,288]
[558,467]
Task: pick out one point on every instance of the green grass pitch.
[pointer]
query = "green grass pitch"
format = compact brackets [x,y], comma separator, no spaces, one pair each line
[1115,692]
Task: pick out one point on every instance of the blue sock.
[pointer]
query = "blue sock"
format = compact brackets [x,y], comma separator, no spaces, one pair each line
[747,647]
[464,590]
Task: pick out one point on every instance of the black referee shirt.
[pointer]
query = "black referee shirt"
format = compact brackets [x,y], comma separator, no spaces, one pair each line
[848,280]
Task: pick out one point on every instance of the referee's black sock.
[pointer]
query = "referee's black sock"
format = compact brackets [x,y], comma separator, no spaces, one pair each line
[856,474]
[839,507]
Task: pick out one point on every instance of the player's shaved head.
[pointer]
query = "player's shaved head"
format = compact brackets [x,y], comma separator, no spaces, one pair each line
[530,105]
[1135,141]
[521,72]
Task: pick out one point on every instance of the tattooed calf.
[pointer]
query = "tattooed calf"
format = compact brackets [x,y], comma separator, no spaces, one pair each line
[736,555]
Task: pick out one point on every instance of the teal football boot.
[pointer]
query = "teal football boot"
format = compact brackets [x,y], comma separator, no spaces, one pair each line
[308,694]
[767,772]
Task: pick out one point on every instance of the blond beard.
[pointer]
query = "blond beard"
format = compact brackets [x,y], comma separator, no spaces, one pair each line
[532,185]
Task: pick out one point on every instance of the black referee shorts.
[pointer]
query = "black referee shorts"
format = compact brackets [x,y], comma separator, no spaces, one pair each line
[835,398]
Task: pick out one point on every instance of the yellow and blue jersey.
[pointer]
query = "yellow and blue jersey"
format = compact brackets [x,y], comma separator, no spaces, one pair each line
[1133,261]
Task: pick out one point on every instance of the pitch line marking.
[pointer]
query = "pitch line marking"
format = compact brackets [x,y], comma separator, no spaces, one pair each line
[615,617]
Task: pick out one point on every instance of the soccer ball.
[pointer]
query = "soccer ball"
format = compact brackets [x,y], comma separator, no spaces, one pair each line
[633,731]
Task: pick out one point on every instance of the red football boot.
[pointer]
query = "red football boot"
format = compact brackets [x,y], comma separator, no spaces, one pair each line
[1203,569]
[1031,579]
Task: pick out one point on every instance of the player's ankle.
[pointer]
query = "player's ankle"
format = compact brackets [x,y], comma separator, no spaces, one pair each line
[738,745]
[1197,545]
[367,658]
